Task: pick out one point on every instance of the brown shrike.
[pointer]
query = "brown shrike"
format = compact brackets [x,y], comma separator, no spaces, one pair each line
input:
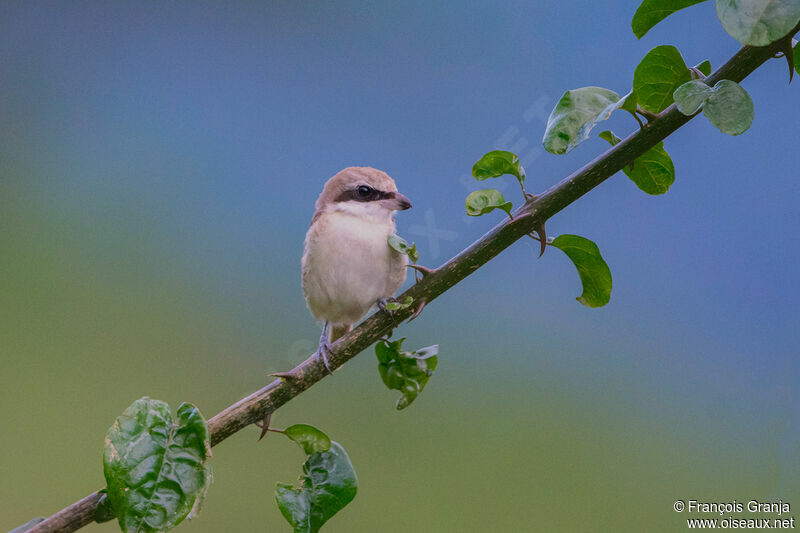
[348,265]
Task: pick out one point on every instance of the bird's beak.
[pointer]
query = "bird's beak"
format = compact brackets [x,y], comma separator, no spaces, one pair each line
[397,202]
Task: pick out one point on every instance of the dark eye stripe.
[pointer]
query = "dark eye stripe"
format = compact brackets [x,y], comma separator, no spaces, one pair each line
[352,194]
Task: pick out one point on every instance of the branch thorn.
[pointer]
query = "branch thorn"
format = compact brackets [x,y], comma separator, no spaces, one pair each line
[420,305]
[264,425]
[542,238]
[788,52]
[425,271]
[284,375]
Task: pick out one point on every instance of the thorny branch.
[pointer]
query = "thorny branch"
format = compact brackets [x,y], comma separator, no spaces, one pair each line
[529,217]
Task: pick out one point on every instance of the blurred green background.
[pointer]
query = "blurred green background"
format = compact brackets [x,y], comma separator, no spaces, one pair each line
[158,169]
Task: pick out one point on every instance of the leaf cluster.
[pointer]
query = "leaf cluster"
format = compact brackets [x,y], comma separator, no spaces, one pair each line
[407,372]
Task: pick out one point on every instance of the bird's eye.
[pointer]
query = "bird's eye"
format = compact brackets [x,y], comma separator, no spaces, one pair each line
[364,191]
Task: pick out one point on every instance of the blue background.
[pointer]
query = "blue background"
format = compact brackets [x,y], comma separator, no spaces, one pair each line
[158,169]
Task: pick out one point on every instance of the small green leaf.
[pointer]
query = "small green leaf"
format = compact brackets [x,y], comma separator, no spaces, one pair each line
[657,76]
[407,372]
[729,108]
[758,22]
[704,67]
[651,12]
[400,245]
[653,172]
[498,163]
[27,525]
[609,136]
[156,468]
[574,116]
[485,200]
[592,269]
[309,438]
[395,305]
[328,483]
[413,254]
[690,97]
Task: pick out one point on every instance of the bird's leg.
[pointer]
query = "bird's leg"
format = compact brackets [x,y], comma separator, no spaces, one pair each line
[324,347]
[381,303]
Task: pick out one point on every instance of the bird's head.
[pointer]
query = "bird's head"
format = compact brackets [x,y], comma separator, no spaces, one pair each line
[362,191]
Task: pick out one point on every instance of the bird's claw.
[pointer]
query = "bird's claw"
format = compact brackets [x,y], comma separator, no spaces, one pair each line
[322,353]
[382,305]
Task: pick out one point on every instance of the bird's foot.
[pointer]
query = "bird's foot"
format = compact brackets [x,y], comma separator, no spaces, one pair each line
[382,305]
[390,305]
[323,351]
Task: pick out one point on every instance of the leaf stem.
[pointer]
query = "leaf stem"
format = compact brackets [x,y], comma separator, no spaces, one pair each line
[649,115]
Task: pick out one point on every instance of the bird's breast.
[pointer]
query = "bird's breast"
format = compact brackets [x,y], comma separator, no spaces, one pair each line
[348,265]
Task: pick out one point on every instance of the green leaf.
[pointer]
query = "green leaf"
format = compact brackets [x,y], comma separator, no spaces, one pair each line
[727,105]
[657,76]
[729,108]
[27,525]
[156,468]
[328,483]
[704,67]
[498,163]
[485,200]
[690,97]
[653,171]
[396,305]
[407,372]
[309,438]
[413,254]
[758,22]
[593,270]
[609,136]
[796,50]
[400,245]
[651,12]
[574,116]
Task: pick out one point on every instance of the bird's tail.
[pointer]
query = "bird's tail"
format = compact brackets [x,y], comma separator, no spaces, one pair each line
[338,331]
